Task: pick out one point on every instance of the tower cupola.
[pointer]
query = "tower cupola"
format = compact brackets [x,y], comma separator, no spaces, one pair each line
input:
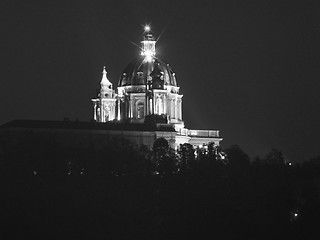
[104,105]
[148,45]
[106,90]
[105,83]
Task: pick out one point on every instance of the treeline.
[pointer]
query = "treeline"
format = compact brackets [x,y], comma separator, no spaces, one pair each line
[121,192]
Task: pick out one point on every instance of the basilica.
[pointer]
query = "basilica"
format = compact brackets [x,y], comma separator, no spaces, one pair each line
[147,92]
[145,105]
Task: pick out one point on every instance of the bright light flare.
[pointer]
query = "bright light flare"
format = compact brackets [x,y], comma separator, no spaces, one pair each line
[148,55]
[147,28]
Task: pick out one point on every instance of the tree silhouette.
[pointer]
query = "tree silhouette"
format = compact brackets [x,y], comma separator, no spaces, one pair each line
[163,157]
[38,155]
[274,157]
[186,152]
[237,158]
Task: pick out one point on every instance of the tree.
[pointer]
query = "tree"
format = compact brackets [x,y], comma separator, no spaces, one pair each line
[164,157]
[187,156]
[237,158]
[274,157]
[39,155]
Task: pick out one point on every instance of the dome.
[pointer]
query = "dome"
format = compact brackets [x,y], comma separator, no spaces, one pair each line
[138,71]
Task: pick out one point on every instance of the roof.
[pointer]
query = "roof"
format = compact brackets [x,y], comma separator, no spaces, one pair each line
[138,71]
[118,126]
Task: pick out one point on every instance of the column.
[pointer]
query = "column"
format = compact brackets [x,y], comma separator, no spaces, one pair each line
[176,108]
[101,112]
[156,105]
[112,114]
[171,108]
[179,109]
[150,106]
[130,108]
[146,109]
[164,104]
[119,102]
[95,111]
[153,105]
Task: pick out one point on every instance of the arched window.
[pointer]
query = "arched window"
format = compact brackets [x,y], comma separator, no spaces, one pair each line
[140,110]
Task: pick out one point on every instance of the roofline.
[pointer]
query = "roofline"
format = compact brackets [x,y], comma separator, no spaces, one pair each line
[52,124]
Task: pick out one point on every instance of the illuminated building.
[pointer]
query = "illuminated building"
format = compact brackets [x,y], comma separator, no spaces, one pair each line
[146,105]
[148,92]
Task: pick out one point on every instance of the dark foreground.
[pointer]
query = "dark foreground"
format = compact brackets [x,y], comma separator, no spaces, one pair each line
[209,202]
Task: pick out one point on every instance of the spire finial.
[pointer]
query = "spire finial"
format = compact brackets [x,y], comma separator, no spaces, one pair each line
[105,80]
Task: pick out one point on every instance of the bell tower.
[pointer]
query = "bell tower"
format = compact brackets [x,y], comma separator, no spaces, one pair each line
[104,106]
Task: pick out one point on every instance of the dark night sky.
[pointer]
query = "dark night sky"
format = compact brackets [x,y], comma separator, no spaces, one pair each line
[248,68]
